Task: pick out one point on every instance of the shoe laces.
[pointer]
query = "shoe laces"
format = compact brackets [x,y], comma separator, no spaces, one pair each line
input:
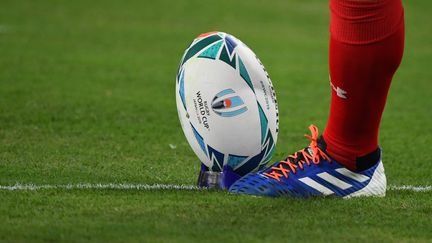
[310,155]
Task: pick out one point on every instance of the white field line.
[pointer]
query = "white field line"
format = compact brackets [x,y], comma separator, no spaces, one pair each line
[148,187]
[410,188]
[100,186]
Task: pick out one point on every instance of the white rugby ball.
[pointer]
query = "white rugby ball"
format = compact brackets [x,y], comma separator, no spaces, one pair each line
[226,104]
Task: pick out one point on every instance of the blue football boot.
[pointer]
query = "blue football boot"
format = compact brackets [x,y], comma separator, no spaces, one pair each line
[311,172]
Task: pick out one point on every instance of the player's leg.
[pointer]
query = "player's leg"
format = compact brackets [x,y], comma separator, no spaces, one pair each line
[365,50]
[366,47]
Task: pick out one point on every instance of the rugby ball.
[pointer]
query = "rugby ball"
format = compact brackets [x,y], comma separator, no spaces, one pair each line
[226,104]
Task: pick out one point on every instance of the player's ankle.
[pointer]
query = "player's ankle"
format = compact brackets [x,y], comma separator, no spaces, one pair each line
[367,161]
[354,160]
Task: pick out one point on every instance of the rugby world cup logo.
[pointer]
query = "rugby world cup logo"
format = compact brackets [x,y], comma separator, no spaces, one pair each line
[228,104]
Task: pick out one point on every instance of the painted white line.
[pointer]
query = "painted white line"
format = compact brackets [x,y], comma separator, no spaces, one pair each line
[145,187]
[148,187]
[410,188]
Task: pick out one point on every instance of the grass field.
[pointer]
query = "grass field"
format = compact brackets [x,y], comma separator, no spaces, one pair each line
[87,96]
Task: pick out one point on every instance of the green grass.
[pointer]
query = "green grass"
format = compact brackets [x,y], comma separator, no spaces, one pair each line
[87,96]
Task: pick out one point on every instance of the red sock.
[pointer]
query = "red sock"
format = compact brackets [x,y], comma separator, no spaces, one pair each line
[366,47]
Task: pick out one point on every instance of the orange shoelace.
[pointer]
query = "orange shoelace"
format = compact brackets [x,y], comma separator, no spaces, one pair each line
[300,158]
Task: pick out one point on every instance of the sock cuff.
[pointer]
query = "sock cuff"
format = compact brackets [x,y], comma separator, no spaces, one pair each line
[364,22]
[347,154]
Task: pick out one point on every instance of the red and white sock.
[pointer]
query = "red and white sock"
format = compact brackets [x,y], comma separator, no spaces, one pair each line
[366,47]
